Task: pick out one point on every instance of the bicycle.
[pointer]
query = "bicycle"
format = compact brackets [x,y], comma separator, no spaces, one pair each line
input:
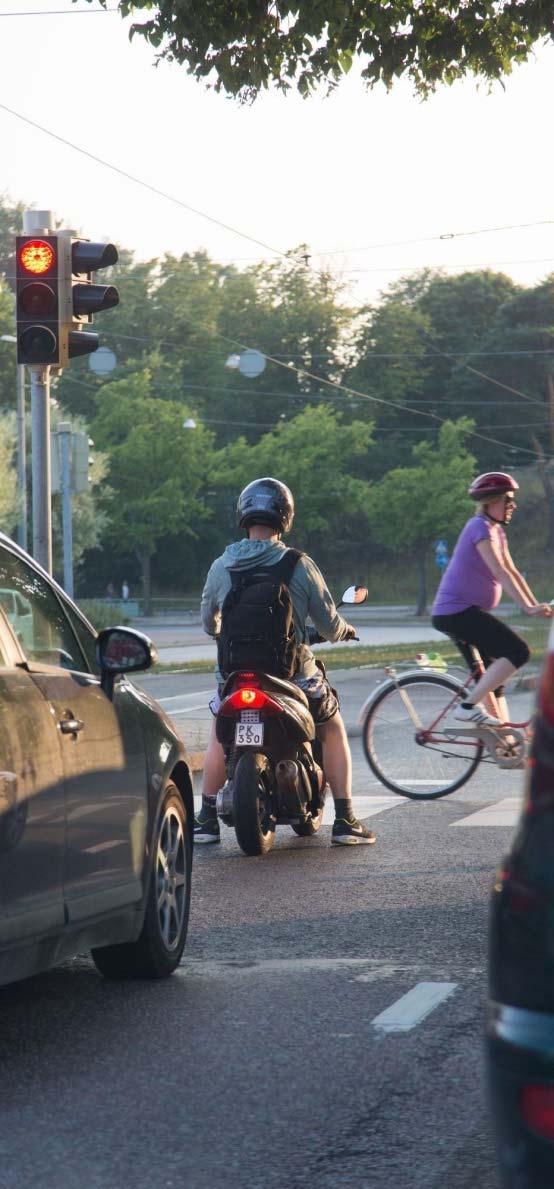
[409,746]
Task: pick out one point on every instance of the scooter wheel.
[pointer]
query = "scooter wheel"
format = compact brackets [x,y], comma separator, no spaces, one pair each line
[252,809]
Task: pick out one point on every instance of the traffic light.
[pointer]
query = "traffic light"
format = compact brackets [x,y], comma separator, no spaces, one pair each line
[38,285]
[85,298]
[56,297]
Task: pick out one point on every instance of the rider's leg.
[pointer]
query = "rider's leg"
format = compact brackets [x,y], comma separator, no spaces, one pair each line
[496,674]
[337,765]
[214,766]
[206,824]
[337,761]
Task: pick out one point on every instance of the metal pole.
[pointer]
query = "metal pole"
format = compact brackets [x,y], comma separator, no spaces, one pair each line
[64,433]
[40,428]
[21,457]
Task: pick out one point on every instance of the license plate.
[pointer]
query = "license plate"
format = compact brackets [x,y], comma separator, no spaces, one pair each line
[249,734]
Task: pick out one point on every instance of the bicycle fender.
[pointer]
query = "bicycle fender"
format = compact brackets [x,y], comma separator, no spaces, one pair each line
[387,681]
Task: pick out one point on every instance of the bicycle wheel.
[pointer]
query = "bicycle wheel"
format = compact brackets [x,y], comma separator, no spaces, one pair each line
[404,740]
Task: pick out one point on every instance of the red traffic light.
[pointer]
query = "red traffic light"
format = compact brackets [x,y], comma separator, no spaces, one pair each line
[37,256]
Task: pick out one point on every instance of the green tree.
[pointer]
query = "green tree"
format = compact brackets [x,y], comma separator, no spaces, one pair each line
[9,503]
[89,508]
[520,343]
[157,470]
[413,506]
[325,463]
[248,46]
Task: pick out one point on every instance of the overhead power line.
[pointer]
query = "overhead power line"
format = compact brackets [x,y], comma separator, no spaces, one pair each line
[140,181]
[59,12]
[428,239]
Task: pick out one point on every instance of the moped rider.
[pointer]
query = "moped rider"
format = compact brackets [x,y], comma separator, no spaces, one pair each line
[265,510]
[481,567]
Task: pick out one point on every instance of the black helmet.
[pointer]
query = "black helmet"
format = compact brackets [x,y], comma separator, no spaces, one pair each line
[266,501]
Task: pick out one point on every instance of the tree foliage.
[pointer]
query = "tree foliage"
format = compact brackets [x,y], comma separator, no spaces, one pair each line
[248,46]
[412,506]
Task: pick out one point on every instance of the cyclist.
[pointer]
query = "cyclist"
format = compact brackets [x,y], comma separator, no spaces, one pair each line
[265,510]
[480,569]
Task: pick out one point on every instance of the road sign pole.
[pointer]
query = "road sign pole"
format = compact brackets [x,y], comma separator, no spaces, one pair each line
[21,457]
[64,435]
[40,429]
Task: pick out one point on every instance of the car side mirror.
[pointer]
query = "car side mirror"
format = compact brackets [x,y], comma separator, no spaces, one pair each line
[123,650]
[355,594]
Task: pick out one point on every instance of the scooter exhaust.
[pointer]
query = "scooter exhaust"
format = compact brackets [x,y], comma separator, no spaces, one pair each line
[286,775]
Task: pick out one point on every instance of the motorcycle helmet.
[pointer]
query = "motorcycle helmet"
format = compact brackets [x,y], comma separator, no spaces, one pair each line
[492,484]
[266,501]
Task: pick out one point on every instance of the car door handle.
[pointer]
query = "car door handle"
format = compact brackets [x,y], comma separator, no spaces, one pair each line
[71,726]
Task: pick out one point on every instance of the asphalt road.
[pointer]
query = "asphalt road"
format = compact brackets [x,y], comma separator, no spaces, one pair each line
[260,1063]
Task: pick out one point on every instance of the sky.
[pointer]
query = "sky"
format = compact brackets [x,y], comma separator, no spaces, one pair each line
[353,176]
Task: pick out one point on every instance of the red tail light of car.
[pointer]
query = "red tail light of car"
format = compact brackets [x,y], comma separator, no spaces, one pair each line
[247,698]
[537,1110]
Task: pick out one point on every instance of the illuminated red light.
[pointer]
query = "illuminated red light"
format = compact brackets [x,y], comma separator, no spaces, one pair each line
[37,256]
[537,1109]
[249,699]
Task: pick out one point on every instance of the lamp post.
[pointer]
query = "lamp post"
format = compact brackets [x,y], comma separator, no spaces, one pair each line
[21,448]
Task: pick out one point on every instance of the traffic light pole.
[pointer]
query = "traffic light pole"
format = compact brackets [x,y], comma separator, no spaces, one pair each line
[41,470]
[21,457]
[64,436]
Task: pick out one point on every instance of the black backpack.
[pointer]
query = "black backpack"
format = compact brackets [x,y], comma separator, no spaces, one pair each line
[257,628]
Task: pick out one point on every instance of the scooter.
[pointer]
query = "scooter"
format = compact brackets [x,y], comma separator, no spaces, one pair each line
[273,759]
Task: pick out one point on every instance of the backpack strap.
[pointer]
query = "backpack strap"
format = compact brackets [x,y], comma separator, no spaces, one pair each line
[283,569]
[287,565]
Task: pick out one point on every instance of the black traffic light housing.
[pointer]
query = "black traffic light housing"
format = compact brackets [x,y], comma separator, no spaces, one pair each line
[39,283]
[85,298]
[56,298]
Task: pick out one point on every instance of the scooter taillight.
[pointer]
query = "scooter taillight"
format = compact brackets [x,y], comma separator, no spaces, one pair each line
[247,698]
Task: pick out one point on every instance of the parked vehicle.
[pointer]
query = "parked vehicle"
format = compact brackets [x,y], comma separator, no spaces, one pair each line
[520,1022]
[96,806]
[273,759]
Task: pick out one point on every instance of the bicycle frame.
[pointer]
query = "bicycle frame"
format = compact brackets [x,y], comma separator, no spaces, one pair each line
[432,735]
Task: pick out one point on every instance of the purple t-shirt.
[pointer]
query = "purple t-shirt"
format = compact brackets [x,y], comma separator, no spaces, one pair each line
[467,580]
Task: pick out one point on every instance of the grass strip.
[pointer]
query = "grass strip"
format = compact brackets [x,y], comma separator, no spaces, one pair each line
[377,655]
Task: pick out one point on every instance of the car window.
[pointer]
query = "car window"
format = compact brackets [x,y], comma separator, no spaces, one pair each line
[42,628]
[86,638]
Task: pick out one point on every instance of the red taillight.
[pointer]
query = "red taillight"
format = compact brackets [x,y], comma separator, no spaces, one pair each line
[247,698]
[546,690]
[537,1109]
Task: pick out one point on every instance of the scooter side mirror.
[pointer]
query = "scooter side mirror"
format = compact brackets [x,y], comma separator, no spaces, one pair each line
[355,594]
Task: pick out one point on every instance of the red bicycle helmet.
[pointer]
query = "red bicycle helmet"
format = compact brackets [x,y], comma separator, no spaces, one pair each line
[491,484]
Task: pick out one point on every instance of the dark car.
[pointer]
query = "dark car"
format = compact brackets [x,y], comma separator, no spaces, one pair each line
[96,806]
[520,1020]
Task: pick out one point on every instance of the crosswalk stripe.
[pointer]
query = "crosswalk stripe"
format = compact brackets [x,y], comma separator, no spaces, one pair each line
[501,813]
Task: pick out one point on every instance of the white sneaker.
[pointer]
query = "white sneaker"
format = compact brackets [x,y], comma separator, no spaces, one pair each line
[476,716]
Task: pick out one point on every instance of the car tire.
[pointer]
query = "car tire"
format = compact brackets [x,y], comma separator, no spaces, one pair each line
[158,950]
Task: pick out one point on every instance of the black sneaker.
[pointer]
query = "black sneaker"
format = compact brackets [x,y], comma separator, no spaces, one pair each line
[206,825]
[351,833]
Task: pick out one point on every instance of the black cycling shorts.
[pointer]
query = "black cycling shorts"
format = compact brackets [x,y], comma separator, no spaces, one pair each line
[484,631]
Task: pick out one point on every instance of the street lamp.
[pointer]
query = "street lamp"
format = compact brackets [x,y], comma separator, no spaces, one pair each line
[21,448]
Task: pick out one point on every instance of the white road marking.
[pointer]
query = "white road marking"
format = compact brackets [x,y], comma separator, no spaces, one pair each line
[197,693]
[413,1007]
[501,813]
[101,846]
[363,806]
[177,711]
